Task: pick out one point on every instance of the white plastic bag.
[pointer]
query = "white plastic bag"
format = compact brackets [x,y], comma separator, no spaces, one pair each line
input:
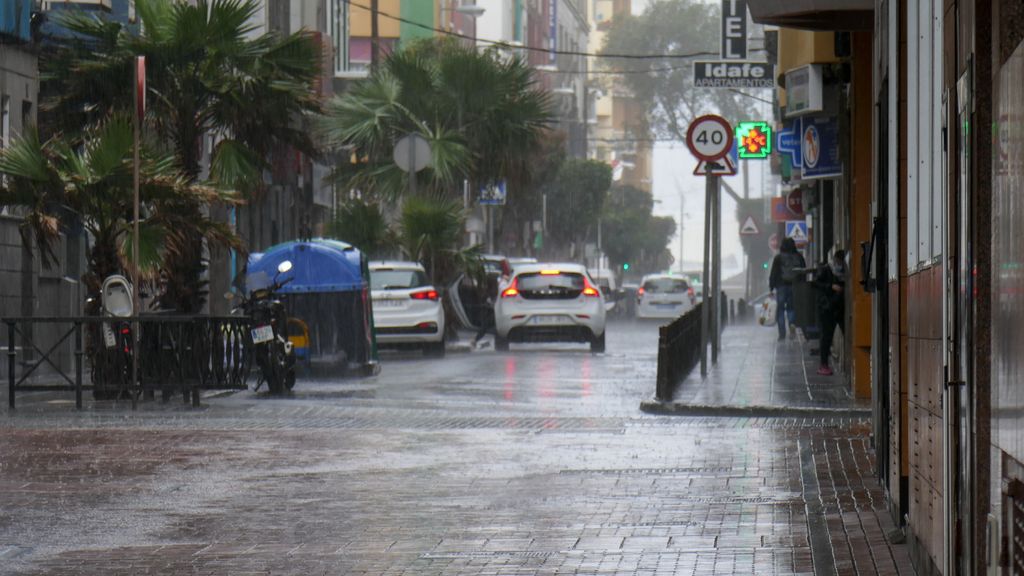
[767,315]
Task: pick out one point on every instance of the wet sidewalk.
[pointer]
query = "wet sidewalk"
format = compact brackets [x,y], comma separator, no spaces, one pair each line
[758,373]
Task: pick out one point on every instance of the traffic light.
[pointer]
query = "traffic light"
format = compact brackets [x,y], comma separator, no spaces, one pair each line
[754,140]
[765,265]
[625,266]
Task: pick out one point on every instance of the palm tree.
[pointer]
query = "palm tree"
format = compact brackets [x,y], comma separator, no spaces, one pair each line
[208,73]
[481,112]
[363,225]
[90,181]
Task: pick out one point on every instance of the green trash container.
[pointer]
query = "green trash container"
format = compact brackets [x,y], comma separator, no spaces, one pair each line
[805,302]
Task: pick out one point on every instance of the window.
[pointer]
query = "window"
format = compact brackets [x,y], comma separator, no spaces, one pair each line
[5,122]
[337,26]
[26,115]
[391,279]
[550,285]
[665,286]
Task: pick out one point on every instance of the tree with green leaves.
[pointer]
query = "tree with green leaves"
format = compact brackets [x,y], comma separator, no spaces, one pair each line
[631,233]
[575,202]
[89,181]
[209,74]
[363,224]
[481,111]
[664,87]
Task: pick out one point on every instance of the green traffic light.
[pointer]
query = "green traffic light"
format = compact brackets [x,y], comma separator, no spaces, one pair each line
[625,266]
[765,265]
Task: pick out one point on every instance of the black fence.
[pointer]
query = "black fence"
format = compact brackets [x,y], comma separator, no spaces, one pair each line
[678,352]
[183,354]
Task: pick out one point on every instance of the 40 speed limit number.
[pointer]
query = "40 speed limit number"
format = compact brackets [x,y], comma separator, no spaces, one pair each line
[709,137]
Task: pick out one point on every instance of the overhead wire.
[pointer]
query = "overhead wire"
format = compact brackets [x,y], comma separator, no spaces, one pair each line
[502,43]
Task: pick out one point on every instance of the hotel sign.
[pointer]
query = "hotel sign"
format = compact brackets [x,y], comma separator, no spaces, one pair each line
[731,74]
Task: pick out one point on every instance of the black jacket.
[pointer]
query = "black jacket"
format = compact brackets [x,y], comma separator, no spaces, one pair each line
[828,299]
[775,276]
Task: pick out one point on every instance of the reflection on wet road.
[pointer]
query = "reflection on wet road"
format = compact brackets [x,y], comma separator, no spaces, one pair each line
[535,461]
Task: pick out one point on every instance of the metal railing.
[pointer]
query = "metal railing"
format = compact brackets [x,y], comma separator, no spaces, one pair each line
[183,354]
[678,352]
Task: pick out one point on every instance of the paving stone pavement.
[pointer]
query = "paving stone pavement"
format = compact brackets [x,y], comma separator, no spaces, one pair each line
[759,371]
[532,462]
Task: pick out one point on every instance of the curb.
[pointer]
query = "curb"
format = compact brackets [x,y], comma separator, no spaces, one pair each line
[219,394]
[678,409]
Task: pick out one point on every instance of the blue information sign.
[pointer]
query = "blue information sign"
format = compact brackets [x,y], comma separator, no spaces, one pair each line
[820,148]
[788,142]
[797,230]
[493,194]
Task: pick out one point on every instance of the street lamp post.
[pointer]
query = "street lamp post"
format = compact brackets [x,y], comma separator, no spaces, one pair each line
[473,11]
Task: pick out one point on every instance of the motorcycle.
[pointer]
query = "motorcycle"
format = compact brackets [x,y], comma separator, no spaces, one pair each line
[273,353]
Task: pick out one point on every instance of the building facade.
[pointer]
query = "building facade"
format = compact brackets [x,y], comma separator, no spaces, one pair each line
[618,135]
[823,103]
[26,286]
[942,266]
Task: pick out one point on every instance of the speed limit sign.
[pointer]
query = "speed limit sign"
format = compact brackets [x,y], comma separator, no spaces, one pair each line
[709,137]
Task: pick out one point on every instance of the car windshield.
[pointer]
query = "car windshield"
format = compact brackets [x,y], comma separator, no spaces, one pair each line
[391,279]
[539,282]
[665,286]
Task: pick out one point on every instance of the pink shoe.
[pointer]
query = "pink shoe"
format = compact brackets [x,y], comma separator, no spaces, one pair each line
[824,371]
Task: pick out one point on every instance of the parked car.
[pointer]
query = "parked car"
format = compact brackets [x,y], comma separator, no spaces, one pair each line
[550,303]
[519,261]
[407,308]
[664,296]
[464,293]
[606,282]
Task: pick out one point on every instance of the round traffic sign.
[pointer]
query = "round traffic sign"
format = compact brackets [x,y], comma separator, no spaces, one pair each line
[412,153]
[709,137]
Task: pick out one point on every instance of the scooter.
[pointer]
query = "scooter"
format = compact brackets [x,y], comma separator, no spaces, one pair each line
[273,353]
[113,362]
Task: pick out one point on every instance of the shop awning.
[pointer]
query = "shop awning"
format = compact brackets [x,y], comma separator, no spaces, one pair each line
[815,14]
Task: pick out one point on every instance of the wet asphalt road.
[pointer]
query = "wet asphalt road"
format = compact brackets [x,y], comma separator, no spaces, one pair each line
[536,461]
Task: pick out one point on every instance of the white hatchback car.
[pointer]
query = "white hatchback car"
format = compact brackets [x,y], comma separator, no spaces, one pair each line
[406,307]
[550,302]
[664,296]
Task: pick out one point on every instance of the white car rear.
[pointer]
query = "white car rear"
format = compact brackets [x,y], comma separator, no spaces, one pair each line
[406,307]
[664,296]
[550,303]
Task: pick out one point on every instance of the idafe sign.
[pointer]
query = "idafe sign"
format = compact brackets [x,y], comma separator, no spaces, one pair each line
[733,75]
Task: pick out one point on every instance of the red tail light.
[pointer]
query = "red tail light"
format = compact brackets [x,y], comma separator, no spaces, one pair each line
[640,291]
[589,290]
[126,330]
[512,291]
[425,295]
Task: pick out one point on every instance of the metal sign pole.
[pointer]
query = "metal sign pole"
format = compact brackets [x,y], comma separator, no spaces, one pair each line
[412,169]
[140,110]
[705,315]
[716,231]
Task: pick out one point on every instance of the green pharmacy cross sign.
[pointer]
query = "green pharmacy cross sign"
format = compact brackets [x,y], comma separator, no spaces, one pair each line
[754,140]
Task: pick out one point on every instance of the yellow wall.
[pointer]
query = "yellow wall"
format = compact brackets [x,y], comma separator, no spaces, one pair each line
[359,20]
[800,47]
[861,191]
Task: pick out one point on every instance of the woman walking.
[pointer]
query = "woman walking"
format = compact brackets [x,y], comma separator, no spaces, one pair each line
[786,269]
[830,280]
